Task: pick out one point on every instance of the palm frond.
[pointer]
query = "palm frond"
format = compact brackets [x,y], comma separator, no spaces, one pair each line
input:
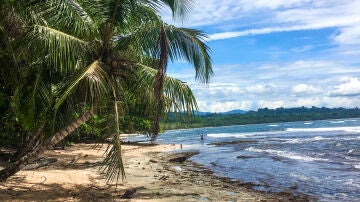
[184,45]
[178,95]
[188,44]
[63,50]
[179,8]
[97,78]
[119,10]
[65,15]
[112,165]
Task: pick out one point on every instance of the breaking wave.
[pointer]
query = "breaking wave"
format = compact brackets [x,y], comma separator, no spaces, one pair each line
[286,154]
[355,129]
[297,141]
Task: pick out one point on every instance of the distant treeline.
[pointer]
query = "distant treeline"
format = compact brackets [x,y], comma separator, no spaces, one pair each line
[264,115]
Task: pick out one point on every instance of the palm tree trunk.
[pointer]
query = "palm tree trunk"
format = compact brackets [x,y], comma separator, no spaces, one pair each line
[57,137]
[28,145]
[159,81]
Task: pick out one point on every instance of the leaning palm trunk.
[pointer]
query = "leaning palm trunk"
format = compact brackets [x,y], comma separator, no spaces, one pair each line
[28,145]
[159,81]
[57,137]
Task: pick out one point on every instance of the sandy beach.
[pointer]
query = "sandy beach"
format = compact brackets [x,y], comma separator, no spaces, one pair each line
[150,177]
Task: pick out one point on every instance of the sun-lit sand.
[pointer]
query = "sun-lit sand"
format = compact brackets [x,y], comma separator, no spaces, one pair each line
[150,177]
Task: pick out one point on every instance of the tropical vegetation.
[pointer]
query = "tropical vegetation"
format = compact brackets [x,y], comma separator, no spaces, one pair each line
[93,65]
[263,115]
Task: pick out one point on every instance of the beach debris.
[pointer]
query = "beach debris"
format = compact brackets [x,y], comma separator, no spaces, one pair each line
[179,159]
[183,156]
[152,161]
[177,169]
[203,198]
[40,163]
[129,193]
[139,143]
[164,177]
[76,158]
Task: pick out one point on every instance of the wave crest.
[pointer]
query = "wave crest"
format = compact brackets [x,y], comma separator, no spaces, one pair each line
[286,154]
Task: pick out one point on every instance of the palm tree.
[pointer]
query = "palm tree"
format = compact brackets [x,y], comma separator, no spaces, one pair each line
[78,53]
[164,41]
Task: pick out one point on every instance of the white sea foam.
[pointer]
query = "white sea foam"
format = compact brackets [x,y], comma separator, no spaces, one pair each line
[286,154]
[301,177]
[352,182]
[337,121]
[244,135]
[273,125]
[308,123]
[354,162]
[354,129]
[354,151]
[305,178]
[320,138]
[297,141]
[224,135]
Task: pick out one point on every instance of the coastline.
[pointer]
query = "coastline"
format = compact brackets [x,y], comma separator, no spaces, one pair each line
[150,176]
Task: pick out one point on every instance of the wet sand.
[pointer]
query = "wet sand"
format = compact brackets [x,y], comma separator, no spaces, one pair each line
[150,176]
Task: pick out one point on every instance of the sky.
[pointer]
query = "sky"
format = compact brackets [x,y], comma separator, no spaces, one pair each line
[276,53]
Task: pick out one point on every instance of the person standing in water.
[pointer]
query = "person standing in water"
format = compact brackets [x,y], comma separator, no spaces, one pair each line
[201,136]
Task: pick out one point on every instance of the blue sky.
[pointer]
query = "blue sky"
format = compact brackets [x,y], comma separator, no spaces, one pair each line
[277,53]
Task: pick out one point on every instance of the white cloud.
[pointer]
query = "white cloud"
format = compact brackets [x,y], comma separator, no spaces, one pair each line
[260,89]
[350,88]
[304,89]
[348,35]
[307,102]
[271,104]
[208,106]
[302,48]
[341,102]
[249,5]
[328,78]
[286,16]
[227,35]
[287,84]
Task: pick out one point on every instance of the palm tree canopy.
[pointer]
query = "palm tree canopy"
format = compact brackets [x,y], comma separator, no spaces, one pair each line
[73,55]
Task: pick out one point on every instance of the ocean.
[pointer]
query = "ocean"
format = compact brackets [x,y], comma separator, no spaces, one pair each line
[319,158]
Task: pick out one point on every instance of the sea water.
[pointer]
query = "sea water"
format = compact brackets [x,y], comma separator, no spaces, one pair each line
[319,158]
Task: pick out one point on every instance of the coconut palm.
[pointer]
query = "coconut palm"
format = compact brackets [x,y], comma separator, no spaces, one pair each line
[81,53]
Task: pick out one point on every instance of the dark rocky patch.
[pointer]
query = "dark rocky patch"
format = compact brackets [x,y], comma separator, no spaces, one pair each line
[246,157]
[139,143]
[181,157]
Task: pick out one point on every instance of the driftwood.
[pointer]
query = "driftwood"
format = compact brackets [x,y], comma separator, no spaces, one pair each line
[40,163]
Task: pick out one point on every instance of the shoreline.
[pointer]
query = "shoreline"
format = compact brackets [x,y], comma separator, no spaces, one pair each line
[270,122]
[150,176]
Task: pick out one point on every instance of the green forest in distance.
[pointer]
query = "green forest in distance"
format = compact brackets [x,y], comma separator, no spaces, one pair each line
[264,115]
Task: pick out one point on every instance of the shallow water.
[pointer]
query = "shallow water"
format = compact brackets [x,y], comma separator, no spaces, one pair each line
[320,158]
